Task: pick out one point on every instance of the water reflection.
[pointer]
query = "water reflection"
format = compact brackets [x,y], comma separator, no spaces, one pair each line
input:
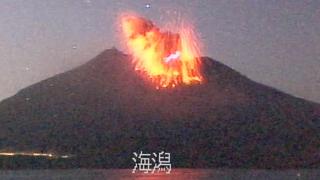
[175,174]
[194,174]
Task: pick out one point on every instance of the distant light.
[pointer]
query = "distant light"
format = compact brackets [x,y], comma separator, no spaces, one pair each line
[34,154]
[147,5]
[7,154]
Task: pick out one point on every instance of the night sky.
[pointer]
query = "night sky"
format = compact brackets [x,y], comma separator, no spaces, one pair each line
[273,42]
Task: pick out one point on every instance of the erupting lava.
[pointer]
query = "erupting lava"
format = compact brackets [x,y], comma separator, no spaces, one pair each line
[166,58]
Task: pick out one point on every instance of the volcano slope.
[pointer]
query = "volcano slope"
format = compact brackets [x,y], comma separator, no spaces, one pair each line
[103,111]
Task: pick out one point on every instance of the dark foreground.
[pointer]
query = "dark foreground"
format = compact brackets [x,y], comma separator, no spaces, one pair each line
[175,174]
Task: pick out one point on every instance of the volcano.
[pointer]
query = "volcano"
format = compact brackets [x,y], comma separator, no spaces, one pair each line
[103,111]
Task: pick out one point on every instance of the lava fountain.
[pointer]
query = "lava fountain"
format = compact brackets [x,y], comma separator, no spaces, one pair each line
[167,59]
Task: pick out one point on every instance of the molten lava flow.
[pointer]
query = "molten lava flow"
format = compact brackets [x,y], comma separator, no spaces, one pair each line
[167,59]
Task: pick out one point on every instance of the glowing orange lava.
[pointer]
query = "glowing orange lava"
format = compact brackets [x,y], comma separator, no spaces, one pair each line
[167,59]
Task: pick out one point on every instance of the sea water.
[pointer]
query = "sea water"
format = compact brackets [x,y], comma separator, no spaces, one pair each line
[183,174]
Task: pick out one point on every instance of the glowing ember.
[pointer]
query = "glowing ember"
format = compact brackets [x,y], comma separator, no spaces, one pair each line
[166,58]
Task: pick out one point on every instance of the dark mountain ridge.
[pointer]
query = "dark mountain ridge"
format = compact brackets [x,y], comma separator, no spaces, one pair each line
[103,111]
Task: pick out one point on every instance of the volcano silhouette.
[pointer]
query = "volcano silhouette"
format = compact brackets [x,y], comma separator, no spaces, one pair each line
[103,111]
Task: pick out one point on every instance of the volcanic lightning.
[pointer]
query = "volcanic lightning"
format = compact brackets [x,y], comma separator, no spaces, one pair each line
[167,59]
